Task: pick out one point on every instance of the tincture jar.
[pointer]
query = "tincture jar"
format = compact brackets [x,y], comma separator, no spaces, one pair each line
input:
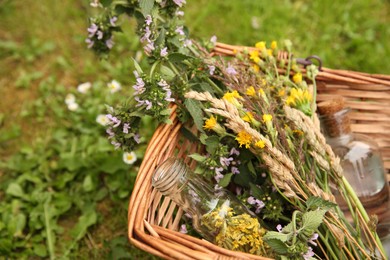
[217,215]
[361,160]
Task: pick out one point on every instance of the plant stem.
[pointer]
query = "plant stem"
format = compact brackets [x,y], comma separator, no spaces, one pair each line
[363,212]
[49,237]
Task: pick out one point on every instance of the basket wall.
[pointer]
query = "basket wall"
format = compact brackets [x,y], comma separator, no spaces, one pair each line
[153,221]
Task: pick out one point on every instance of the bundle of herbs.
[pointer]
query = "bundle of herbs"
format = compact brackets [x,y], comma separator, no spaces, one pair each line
[256,117]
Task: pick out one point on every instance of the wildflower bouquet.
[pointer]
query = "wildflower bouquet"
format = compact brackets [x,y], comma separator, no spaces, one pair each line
[255,117]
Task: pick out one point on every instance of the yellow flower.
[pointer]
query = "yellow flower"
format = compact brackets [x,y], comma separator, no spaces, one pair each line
[281,93]
[261,91]
[210,123]
[253,55]
[235,51]
[232,97]
[243,138]
[260,45]
[267,118]
[297,78]
[260,144]
[251,91]
[274,45]
[300,99]
[256,68]
[269,52]
[248,117]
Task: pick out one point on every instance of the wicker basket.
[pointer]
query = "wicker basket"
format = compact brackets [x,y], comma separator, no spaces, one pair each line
[153,221]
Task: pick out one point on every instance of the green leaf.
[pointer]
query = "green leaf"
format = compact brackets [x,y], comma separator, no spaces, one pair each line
[188,134]
[14,189]
[197,157]
[16,224]
[88,219]
[245,177]
[224,182]
[212,143]
[314,203]
[278,246]
[40,250]
[88,183]
[137,66]
[270,235]
[195,109]
[146,6]
[312,220]
[5,246]
[178,57]
[256,191]
[167,72]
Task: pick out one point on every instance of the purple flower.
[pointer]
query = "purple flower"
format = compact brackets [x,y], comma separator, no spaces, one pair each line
[113,20]
[313,238]
[230,70]
[225,161]
[179,2]
[164,52]
[148,20]
[99,35]
[234,151]
[110,133]
[183,229]
[217,187]
[126,128]
[187,42]
[139,87]
[92,29]
[179,30]
[218,170]
[279,228]
[238,190]
[162,83]
[259,206]
[235,170]
[110,43]
[211,69]
[168,95]
[251,200]
[116,144]
[148,104]
[113,120]
[308,254]
[213,39]
[179,13]
[218,176]
[145,37]
[148,48]
[90,43]
[140,102]
[137,138]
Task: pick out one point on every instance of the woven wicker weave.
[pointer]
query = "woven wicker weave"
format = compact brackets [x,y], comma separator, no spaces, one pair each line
[153,221]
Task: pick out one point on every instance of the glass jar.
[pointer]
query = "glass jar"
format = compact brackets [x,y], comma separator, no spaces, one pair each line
[216,214]
[360,158]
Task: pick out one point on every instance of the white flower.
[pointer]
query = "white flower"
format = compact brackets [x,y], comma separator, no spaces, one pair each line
[70,99]
[102,119]
[129,158]
[114,86]
[73,106]
[84,87]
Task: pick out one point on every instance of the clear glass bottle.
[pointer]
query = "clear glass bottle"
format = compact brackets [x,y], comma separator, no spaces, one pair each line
[217,215]
[360,157]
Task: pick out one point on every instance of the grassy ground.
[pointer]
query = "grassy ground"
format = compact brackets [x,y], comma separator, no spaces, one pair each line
[43,58]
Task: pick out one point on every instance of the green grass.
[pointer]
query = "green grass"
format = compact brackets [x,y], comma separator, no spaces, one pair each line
[63,188]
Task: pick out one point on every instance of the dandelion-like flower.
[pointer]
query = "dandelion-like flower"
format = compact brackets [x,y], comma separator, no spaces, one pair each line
[129,158]
[102,120]
[84,87]
[251,91]
[114,86]
[73,106]
[267,118]
[232,97]
[212,124]
[260,144]
[300,99]
[244,139]
[260,45]
[274,45]
[297,78]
